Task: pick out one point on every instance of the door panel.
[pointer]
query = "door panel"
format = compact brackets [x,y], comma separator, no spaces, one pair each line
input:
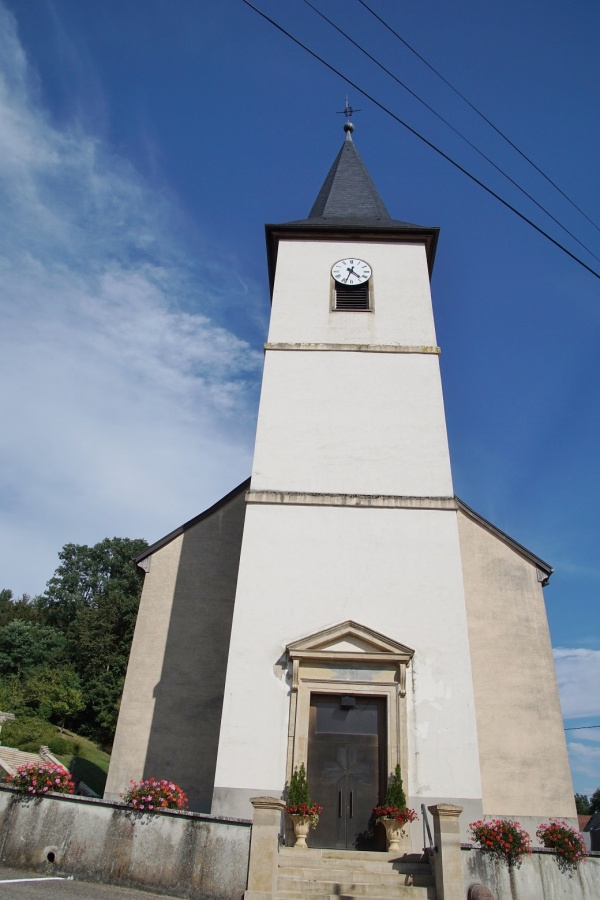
[346,769]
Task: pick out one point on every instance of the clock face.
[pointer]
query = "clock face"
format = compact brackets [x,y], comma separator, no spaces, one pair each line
[351,271]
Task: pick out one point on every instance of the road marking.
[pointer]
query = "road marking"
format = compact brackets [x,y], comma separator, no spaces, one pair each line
[21,880]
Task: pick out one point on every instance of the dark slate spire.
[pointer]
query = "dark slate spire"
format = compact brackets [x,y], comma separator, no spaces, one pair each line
[348,191]
[348,196]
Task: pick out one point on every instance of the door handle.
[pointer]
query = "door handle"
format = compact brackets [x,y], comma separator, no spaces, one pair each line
[351,804]
[339,804]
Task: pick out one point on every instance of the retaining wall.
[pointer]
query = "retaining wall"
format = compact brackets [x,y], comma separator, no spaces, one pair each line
[538,878]
[178,853]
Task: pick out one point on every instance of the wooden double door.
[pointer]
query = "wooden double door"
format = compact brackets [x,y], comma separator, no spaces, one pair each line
[347,769]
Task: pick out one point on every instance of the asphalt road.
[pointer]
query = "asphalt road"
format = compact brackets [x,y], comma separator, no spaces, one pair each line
[20,885]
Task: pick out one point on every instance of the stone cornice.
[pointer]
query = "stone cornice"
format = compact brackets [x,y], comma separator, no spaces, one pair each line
[357,348]
[385,501]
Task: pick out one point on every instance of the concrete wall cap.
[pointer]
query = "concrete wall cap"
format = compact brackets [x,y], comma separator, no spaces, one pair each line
[445,810]
[267,803]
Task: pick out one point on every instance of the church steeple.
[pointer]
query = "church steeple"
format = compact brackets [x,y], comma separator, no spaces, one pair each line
[349,205]
[348,192]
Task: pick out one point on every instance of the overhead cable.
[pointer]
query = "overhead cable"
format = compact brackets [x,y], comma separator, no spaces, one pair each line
[422,138]
[455,130]
[479,113]
[581,727]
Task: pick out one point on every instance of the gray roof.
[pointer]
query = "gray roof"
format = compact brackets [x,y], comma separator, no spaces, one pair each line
[544,567]
[162,542]
[348,195]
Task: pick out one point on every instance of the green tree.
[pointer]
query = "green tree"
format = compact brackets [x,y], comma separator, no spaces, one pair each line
[24,608]
[103,697]
[25,646]
[582,804]
[395,795]
[298,792]
[12,695]
[54,693]
[595,802]
[94,597]
[86,574]
[64,655]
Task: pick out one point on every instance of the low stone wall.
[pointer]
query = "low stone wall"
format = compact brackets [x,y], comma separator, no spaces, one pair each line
[178,853]
[538,878]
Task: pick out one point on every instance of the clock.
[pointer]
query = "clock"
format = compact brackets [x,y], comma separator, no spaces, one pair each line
[351,271]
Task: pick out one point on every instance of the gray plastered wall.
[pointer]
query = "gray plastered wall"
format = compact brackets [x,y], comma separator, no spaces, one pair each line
[172,701]
[523,755]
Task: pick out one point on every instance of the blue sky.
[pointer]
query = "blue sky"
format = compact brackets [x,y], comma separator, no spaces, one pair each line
[143,148]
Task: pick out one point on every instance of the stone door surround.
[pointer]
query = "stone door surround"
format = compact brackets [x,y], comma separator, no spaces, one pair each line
[348,659]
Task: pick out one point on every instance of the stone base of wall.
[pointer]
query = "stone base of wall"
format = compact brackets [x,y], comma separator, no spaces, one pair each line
[177,853]
[538,878]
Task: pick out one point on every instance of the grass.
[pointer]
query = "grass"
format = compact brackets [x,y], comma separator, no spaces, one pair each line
[90,764]
[84,759]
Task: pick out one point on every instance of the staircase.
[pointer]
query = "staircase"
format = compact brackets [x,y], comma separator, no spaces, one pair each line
[11,759]
[325,874]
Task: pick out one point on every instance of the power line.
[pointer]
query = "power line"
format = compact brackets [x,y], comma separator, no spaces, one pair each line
[424,139]
[581,727]
[455,130]
[479,113]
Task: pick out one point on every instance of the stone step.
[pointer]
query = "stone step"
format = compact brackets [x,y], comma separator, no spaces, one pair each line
[402,892]
[416,872]
[372,862]
[309,867]
[287,885]
[326,853]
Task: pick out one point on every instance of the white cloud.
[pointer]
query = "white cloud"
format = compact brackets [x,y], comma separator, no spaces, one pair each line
[126,408]
[585,765]
[578,673]
[578,670]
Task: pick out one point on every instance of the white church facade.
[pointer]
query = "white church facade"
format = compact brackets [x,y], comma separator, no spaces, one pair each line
[343,608]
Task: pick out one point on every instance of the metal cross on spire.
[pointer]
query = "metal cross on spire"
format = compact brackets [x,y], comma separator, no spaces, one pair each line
[348,111]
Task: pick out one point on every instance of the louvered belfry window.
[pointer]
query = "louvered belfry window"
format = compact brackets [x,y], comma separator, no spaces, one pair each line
[352,296]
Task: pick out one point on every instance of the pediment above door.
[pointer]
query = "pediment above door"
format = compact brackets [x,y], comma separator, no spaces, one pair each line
[350,640]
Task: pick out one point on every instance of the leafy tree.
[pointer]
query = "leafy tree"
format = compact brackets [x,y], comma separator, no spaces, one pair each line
[86,574]
[595,802]
[54,693]
[582,804]
[103,695]
[24,608]
[12,696]
[64,655]
[27,645]
[94,597]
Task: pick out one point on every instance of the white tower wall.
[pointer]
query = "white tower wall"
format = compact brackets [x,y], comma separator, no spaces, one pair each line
[350,517]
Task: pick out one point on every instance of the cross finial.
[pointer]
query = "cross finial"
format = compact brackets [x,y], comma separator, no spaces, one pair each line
[348,111]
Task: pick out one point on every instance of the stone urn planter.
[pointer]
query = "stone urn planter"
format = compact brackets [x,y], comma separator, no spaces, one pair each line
[301,828]
[300,808]
[395,815]
[394,833]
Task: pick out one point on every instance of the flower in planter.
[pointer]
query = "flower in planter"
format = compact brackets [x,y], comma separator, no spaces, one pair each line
[394,806]
[393,812]
[502,839]
[154,795]
[567,843]
[298,798]
[42,778]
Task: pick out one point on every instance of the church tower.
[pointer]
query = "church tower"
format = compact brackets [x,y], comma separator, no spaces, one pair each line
[350,556]
[343,609]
